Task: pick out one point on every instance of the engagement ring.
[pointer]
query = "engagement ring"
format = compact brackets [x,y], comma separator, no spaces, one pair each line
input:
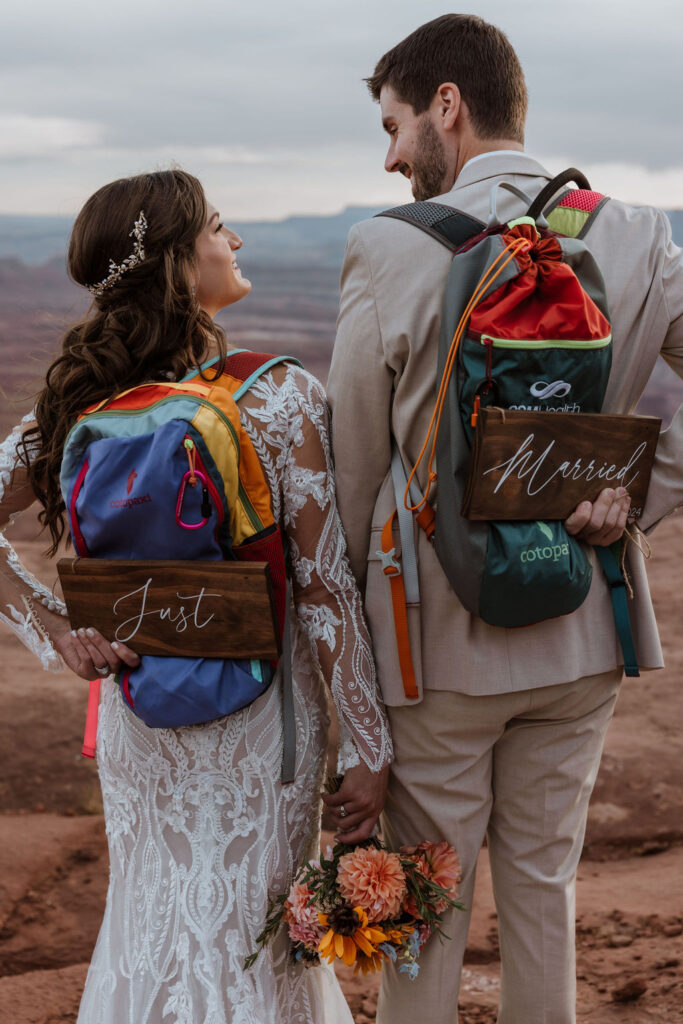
[342,811]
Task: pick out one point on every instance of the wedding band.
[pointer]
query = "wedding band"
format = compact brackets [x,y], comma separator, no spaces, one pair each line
[342,811]
[103,671]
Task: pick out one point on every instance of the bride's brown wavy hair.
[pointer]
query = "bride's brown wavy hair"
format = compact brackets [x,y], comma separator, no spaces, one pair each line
[145,325]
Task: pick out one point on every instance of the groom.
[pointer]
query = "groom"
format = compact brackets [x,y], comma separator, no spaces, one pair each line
[506,736]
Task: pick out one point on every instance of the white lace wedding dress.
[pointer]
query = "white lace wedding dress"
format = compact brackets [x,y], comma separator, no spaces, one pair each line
[200,829]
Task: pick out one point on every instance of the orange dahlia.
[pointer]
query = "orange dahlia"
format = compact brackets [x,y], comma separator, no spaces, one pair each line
[373,879]
[349,935]
[438,862]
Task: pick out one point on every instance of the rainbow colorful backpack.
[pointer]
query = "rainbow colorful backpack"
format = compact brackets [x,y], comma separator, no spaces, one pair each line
[167,471]
[525,325]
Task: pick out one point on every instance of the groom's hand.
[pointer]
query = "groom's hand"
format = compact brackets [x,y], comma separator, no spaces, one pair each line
[357,804]
[602,521]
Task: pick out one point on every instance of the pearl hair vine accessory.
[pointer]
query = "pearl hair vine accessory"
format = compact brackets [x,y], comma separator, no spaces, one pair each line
[117,270]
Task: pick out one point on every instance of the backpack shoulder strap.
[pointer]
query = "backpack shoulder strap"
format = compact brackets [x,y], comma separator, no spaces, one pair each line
[245,367]
[249,366]
[574,213]
[446,224]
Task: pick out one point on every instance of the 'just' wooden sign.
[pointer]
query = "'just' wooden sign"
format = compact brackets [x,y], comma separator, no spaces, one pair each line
[184,609]
[541,465]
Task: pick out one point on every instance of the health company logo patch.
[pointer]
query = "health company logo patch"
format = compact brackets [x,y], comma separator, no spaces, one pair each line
[548,551]
[541,390]
[557,389]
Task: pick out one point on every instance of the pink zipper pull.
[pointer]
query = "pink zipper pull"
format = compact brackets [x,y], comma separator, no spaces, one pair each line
[206,506]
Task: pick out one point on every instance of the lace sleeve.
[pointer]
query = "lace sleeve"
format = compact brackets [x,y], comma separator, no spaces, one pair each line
[20,592]
[293,426]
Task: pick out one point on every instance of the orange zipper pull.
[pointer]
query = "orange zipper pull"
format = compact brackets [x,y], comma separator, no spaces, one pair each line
[191,458]
[475,412]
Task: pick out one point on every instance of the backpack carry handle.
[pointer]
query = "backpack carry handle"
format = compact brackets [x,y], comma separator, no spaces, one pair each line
[494,220]
[548,191]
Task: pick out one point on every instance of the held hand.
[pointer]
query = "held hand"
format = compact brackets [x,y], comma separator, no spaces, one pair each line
[361,797]
[90,656]
[602,521]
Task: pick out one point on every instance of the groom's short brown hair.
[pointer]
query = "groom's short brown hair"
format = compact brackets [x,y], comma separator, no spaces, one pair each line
[466,50]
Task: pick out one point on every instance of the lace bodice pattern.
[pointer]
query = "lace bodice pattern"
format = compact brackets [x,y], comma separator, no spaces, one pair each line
[288,425]
[200,829]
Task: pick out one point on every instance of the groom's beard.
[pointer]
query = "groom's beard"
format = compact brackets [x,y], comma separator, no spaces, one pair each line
[429,166]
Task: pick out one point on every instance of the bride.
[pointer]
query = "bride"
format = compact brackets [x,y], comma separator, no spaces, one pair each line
[200,829]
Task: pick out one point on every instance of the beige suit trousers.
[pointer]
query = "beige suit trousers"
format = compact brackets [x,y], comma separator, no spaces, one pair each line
[518,768]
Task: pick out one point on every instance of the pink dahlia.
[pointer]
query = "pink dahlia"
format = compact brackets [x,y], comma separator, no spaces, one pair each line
[374,880]
[302,917]
[440,863]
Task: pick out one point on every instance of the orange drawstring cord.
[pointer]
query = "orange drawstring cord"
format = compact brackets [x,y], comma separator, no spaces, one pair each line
[510,251]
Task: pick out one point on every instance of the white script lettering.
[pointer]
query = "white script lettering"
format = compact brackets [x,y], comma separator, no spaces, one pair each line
[525,463]
[179,616]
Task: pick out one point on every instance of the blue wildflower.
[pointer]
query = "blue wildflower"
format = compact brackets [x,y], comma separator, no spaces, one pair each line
[411,969]
[414,943]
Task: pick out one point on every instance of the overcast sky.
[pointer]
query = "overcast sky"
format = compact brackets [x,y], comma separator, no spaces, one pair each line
[263,99]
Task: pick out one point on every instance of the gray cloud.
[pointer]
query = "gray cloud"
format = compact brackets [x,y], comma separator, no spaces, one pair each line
[605,78]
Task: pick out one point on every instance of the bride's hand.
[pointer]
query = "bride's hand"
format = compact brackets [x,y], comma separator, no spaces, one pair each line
[90,656]
[357,804]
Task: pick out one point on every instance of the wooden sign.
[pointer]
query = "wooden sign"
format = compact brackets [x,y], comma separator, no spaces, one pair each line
[184,609]
[541,465]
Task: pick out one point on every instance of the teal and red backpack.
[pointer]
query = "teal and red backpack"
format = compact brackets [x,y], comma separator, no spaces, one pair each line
[525,325]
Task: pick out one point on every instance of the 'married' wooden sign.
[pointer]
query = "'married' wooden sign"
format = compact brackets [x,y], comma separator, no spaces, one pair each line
[541,465]
[185,609]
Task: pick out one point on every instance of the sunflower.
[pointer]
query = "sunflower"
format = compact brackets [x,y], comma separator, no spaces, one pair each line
[349,935]
[369,964]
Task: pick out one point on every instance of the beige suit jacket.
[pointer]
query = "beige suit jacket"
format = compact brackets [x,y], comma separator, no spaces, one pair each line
[382,383]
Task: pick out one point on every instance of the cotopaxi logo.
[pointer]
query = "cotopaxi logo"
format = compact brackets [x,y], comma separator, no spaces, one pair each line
[129,502]
[554,551]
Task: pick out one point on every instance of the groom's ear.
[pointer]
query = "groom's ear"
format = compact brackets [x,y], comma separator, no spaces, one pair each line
[447,104]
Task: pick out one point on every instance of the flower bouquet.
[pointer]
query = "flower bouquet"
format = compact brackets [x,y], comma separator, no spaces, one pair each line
[364,904]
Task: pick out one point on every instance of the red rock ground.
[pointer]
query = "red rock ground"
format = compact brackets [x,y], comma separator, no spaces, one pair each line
[53,860]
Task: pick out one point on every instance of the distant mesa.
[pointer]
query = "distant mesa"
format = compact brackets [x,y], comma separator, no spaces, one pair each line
[293,264]
[303,240]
